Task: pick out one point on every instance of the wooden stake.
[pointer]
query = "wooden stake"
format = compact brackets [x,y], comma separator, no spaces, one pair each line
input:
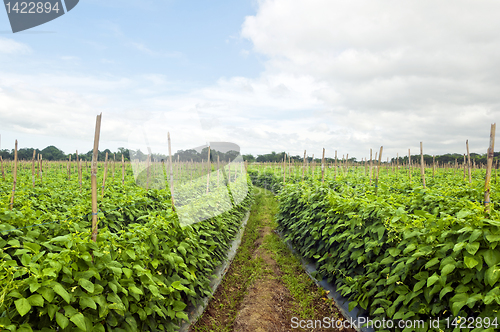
[33,168]
[93,176]
[15,178]
[171,172]
[422,170]
[371,165]
[491,154]
[1,163]
[468,161]
[104,176]
[335,176]
[69,168]
[123,170]
[208,170]
[409,165]
[80,174]
[304,165]
[323,167]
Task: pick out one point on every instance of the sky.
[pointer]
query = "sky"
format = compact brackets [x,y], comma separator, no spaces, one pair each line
[267,75]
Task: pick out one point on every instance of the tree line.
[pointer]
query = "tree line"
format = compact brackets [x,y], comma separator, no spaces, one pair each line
[448,158]
[53,153]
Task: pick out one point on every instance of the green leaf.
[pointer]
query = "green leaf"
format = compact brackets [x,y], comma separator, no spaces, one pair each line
[432,262]
[472,247]
[352,305]
[470,262]
[447,269]
[86,284]
[459,246]
[182,315]
[87,302]
[130,253]
[177,285]
[432,280]
[61,320]
[26,259]
[492,257]
[179,306]
[492,275]
[493,237]
[444,291]
[475,234]
[59,289]
[79,321]
[47,293]
[134,289]
[458,301]
[23,306]
[127,272]
[36,300]
[394,252]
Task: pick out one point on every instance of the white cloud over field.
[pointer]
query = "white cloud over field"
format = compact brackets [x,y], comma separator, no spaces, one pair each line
[344,75]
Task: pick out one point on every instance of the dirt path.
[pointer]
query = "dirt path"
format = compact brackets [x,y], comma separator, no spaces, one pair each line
[254,297]
[266,306]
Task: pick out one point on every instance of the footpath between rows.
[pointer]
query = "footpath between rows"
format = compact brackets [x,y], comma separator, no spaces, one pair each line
[266,289]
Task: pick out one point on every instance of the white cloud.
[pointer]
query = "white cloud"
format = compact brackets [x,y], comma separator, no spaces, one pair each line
[393,73]
[9,46]
[343,75]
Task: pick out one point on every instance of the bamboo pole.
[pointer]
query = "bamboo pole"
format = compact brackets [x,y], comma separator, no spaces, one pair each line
[40,167]
[397,165]
[336,162]
[468,161]
[218,170]
[323,167]
[1,163]
[491,154]
[208,170]
[433,165]
[465,167]
[171,172]
[104,176]
[422,170]
[371,167]
[15,178]
[378,168]
[409,165]
[69,168]
[93,176]
[304,165]
[33,168]
[80,174]
[284,169]
[123,170]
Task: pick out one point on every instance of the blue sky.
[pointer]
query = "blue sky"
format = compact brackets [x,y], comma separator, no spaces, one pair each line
[268,75]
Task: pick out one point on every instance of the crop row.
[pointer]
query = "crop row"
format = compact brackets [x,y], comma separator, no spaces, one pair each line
[140,274]
[398,251]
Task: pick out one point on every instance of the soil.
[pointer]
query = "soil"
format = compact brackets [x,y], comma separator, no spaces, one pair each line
[267,305]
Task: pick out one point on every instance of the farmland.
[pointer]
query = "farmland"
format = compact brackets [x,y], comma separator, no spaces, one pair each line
[395,248]
[144,268]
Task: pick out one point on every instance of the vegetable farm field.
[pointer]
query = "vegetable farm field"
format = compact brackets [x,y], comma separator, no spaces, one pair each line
[397,249]
[143,270]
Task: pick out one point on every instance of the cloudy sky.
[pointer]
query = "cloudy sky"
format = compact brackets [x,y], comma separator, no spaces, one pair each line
[268,75]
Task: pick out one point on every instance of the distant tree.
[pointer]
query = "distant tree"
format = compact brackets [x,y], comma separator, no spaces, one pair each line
[248,157]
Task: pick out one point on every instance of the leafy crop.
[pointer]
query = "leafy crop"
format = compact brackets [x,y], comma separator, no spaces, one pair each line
[400,252]
[140,275]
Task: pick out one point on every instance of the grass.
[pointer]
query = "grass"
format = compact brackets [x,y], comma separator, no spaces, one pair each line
[309,301]
[243,271]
